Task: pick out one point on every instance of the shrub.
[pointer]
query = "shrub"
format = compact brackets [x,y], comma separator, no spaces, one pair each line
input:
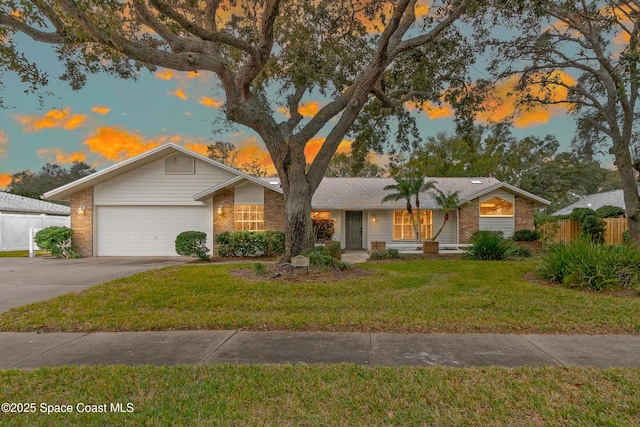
[518,252]
[526,235]
[385,254]
[260,269]
[586,264]
[57,240]
[192,243]
[608,211]
[319,257]
[274,243]
[334,250]
[223,240]
[488,245]
[250,243]
[323,229]
[593,228]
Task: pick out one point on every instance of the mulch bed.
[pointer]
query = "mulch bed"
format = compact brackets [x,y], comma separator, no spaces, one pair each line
[282,272]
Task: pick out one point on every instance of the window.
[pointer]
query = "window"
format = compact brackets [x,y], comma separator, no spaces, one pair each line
[402,229]
[249,217]
[320,215]
[496,206]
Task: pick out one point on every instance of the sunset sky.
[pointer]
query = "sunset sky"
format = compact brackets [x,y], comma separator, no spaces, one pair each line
[112,119]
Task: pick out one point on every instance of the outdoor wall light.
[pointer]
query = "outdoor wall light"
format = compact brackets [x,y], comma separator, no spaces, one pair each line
[219,209]
[373,219]
[81,210]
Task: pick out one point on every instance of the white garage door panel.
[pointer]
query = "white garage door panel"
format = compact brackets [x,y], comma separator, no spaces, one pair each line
[147,230]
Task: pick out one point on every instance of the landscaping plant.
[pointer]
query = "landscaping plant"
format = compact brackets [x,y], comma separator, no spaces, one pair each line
[251,243]
[58,241]
[192,243]
[488,245]
[586,264]
[385,254]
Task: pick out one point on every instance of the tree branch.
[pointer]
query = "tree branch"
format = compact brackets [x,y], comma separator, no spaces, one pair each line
[37,35]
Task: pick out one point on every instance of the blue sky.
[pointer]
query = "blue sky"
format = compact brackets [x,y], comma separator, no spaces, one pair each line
[112,119]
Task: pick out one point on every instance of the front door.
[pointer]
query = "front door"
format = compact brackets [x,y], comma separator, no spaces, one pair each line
[354,230]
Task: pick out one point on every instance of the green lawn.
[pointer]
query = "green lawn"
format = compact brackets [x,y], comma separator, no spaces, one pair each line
[418,296]
[336,395]
[19,254]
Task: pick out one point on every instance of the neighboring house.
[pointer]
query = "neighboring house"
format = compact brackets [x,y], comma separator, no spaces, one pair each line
[139,206]
[595,201]
[19,213]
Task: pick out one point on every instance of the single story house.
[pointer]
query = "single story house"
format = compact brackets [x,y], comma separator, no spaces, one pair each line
[18,214]
[139,206]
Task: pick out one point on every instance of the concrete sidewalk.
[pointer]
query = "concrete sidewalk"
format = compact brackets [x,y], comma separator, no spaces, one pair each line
[31,350]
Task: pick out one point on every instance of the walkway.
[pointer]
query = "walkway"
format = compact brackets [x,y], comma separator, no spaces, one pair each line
[31,350]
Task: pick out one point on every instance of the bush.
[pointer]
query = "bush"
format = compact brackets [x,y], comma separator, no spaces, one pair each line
[488,245]
[518,252]
[593,228]
[57,240]
[608,211]
[319,257]
[586,264]
[334,250]
[526,235]
[192,243]
[250,243]
[274,243]
[323,229]
[385,254]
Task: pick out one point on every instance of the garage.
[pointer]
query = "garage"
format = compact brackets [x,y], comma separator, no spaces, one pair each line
[147,230]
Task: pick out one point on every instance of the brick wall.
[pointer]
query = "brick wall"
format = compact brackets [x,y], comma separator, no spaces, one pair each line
[274,217]
[524,214]
[82,224]
[469,220]
[224,221]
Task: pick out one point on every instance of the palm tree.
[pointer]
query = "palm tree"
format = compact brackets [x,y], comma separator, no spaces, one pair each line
[406,188]
[446,202]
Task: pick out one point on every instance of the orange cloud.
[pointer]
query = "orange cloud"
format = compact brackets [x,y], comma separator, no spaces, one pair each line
[53,119]
[198,148]
[165,74]
[432,110]
[210,102]
[4,141]
[504,102]
[180,94]
[56,155]
[5,180]
[101,109]
[118,144]
[310,109]
[313,147]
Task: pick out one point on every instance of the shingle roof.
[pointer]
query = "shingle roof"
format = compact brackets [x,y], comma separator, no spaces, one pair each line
[595,201]
[14,203]
[367,193]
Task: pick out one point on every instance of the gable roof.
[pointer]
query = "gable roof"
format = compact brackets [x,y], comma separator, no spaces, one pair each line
[63,192]
[367,193]
[595,201]
[14,203]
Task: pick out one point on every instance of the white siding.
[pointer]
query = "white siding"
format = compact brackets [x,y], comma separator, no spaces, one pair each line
[382,229]
[14,228]
[149,185]
[449,234]
[248,193]
[505,224]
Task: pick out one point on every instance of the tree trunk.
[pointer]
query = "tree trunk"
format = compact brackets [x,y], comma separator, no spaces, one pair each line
[629,190]
[298,227]
[446,218]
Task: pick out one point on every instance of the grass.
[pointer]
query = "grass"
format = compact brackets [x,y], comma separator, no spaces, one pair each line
[328,395]
[20,254]
[435,296]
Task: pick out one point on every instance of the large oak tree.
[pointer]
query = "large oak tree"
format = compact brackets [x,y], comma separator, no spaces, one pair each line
[353,55]
[589,49]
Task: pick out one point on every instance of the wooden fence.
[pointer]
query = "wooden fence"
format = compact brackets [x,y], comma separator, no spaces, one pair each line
[567,230]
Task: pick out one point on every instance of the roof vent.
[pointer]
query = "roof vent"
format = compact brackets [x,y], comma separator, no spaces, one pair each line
[475,181]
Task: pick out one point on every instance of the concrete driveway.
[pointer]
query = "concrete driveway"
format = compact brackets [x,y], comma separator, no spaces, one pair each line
[27,280]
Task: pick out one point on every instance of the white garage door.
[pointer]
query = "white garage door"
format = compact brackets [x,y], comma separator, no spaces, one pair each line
[148,230]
